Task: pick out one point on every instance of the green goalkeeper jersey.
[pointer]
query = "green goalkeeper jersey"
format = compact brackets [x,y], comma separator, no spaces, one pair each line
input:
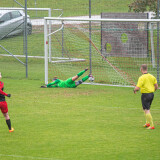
[62,84]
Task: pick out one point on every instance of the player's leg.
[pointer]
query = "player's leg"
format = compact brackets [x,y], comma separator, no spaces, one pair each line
[8,121]
[4,109]
[149,119]
[144,105]
[147,101]
[150,99]
[82,80]
[147,124]
[79,74]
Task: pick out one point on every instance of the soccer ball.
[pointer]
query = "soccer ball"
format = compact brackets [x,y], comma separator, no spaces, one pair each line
[91,79]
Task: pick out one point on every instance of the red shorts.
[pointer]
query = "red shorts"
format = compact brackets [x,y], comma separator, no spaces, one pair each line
[3,107]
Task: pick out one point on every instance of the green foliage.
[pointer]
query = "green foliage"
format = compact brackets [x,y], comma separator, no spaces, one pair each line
[143,5]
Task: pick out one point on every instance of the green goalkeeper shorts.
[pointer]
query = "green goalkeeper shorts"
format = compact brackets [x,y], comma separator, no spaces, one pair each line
[70,83]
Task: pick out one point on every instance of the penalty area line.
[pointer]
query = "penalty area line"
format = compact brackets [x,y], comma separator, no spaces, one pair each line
[28,157]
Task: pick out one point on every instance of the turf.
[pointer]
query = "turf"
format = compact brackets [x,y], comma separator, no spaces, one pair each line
[86,123]
[70,6]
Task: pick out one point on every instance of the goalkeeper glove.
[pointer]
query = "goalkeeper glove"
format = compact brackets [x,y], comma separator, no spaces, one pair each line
[86,69]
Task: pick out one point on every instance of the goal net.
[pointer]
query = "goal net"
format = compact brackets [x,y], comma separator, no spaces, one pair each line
[113,49]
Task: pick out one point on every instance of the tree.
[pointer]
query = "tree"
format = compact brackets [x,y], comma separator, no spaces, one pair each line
[143,5]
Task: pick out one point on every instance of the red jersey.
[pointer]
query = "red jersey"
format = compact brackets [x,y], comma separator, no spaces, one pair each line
[2,94]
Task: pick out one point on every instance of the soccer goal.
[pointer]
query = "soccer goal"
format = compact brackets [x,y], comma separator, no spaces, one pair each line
[113,49]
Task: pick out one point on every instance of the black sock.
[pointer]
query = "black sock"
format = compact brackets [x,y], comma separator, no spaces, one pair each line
[8,123]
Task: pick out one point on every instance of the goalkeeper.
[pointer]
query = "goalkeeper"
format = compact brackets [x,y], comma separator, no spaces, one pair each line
[69,83]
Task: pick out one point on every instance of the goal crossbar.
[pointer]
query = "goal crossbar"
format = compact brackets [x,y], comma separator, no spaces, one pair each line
[102,20]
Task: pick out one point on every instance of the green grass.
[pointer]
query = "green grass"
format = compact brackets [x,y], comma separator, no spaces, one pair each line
[70,6]
[15,44]
[86,123]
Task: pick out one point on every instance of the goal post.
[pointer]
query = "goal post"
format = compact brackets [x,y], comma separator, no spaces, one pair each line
[118,65]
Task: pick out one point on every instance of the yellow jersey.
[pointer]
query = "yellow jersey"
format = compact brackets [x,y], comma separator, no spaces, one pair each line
[146,83]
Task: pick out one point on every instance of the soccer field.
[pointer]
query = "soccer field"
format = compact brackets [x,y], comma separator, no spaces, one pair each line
[86,123]
[89,122]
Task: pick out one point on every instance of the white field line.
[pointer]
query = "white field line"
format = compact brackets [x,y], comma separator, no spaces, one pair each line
[28,157]
[111,85]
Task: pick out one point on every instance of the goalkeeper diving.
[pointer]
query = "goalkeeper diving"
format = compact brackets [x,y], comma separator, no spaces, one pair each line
[69,83]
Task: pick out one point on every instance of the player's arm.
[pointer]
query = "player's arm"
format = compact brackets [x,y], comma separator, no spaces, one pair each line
[53,84]
[156,86]
[136,89]
[3,93]
[138,86]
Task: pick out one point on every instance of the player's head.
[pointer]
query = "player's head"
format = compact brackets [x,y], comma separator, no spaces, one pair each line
[55,78]
[143,68]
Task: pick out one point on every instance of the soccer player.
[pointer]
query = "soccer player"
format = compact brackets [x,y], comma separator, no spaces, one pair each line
[3,105]
[69,83]
[148,84]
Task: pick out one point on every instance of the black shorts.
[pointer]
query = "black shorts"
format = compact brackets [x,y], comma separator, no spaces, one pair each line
[147,99]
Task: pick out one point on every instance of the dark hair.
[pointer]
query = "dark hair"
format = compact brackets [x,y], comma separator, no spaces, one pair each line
[144,67]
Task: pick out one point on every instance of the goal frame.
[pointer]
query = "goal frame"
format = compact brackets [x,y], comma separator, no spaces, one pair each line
[47,36]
